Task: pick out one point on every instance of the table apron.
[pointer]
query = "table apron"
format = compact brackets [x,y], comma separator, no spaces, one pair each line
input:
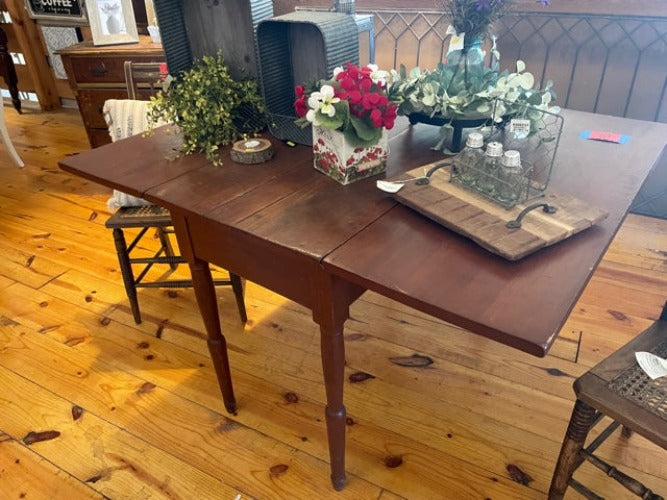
[284,271]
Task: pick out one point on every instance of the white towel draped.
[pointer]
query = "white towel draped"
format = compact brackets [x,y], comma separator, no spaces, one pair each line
[125,118]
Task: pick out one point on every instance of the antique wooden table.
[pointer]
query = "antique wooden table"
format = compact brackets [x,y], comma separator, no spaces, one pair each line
[293,230]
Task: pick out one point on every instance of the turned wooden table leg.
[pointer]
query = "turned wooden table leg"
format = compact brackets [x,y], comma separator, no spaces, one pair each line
[217,345]
[334,296]
[583,416]
[333,363]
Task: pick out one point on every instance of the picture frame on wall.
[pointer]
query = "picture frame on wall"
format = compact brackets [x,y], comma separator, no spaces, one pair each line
[112,22]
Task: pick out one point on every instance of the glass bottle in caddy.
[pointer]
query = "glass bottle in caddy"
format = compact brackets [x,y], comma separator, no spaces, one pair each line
[469,162]
[512,181]
[487,182]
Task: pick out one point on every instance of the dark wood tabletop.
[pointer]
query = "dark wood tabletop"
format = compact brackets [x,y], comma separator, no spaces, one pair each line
[295,231]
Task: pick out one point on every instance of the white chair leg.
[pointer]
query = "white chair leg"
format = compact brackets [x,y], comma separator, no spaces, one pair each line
[5,138]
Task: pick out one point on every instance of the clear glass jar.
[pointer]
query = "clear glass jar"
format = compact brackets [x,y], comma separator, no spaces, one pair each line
[512,181]
[468,163]
[487,182]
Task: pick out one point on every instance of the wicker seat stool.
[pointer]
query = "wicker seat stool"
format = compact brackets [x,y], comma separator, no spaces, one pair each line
[146,217]
[618,388]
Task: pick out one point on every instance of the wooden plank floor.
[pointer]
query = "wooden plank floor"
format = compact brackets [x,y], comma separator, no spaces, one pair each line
[138,410]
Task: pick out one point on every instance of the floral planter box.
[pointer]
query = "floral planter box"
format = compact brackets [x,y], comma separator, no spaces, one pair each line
[344,162]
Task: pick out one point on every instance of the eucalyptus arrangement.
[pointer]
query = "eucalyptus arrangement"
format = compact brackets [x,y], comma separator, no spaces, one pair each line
[484,94]
[209,106]
[445,92]
[464,88]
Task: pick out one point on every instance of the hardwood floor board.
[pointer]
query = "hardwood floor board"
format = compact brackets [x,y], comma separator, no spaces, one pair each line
[73,248]
[5,282]
[37,132]
[82,230]
[645,224]
[642,232]
[604,331]
[204,438]
[645,252]
[564,347]
[621,299]
[388,495]
[78,212]
[38,181]
[164,312]
[25,474]
[61,247]
[102,457]
[24,266]
[642,287]
[455,345]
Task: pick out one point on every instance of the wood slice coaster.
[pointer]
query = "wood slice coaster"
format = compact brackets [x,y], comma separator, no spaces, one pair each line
[252,151]
[484,222]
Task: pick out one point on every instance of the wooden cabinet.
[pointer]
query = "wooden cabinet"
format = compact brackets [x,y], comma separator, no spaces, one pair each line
[96,74]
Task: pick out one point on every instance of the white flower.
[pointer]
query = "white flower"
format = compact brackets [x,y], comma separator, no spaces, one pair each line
[378,75]
[311,116]
[314,102]
[337,70]
[323,101]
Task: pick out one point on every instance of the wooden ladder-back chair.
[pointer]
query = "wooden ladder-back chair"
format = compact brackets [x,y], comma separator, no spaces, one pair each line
[143,79]
[619,389]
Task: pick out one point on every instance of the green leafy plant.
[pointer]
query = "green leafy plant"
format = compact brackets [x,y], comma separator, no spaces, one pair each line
[209,106]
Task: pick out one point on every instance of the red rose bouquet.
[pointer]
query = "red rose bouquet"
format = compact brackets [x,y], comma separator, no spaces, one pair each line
[354,101]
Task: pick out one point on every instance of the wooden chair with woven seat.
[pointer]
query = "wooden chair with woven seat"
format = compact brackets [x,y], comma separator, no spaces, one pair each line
[618,388]
[144,79]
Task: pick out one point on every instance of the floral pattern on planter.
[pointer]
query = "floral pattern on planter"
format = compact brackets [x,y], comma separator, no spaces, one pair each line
[342,161]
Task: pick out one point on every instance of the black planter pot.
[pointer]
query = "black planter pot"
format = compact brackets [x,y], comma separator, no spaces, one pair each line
[457,124]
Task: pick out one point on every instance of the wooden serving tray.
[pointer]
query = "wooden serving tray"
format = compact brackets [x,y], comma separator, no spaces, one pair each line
[484,221]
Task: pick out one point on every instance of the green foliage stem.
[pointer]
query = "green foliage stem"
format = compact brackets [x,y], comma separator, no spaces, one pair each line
[209,106]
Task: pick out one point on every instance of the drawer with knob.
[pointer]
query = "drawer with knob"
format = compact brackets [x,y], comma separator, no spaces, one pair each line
[96,74]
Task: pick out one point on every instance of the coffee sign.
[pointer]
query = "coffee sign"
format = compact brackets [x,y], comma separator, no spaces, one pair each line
[58,11]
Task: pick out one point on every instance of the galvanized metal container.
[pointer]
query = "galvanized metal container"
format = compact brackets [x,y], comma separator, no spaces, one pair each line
[298,48]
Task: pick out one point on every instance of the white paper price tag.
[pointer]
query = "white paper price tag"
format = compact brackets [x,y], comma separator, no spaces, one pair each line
[520,128]
[456,41]
[654,366]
